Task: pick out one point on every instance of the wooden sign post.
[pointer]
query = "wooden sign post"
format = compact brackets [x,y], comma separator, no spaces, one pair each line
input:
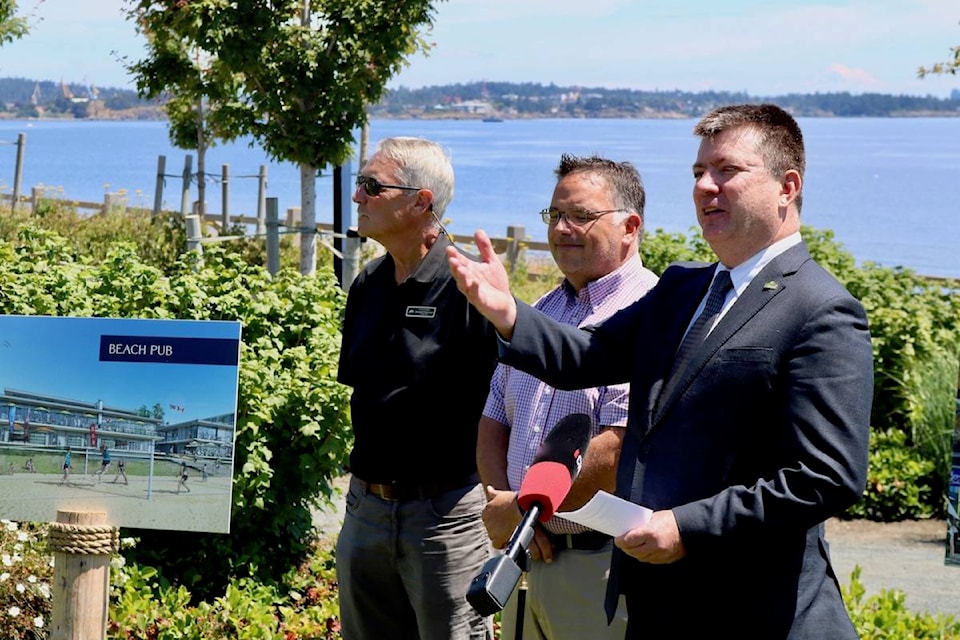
[82,545]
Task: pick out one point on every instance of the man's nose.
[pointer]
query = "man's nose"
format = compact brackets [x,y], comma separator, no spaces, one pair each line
[705,184]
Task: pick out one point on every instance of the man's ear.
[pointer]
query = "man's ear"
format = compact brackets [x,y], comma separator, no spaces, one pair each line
[425,199]
[633,223]
[790,187]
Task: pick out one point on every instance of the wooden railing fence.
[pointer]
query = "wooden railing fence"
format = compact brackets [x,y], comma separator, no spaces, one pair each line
[513,246]
[266,222]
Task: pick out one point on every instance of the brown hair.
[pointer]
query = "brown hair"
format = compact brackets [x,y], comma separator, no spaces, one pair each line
[780,140]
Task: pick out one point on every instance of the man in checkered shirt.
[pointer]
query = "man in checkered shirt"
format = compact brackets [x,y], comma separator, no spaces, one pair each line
[595,226]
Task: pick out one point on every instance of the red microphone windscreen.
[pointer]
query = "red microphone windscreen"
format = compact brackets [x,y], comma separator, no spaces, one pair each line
[546,484]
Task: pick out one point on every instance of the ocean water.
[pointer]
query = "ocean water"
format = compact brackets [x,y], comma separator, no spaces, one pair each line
[885,186]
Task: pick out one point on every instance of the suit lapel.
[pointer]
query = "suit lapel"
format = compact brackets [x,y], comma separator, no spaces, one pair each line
[765,286]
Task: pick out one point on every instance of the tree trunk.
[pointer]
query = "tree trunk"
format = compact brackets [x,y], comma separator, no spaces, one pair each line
[308,219]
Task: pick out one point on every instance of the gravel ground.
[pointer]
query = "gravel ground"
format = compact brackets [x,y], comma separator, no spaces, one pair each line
[905,556]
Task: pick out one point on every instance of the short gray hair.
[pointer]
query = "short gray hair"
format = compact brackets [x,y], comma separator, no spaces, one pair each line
[421,163]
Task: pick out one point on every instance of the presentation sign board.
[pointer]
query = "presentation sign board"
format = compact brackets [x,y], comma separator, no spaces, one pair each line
[135,418]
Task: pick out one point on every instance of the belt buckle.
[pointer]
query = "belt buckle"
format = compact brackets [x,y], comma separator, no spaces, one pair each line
[382,491]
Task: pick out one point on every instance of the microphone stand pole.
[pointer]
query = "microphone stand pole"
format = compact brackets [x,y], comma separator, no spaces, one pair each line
[521,607]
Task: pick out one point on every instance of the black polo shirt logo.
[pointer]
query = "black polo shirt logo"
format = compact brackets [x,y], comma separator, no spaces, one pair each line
[421,312]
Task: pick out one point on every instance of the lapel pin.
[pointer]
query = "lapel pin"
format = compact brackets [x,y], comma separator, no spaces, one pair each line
[770,286]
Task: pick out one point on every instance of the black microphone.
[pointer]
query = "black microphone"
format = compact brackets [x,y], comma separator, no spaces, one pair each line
[546,484]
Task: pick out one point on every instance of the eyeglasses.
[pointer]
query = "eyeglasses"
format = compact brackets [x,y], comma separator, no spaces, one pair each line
[577,217]
[373,187]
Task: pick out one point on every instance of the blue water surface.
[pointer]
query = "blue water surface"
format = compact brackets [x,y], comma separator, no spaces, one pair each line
[883,185]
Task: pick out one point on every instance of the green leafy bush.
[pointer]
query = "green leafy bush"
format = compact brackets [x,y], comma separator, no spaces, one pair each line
[660,248]
[159,240]
[302,606]
[885,616]
[898,481]
[915,328]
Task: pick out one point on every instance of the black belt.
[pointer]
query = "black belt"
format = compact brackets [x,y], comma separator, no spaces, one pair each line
[586,541]
[401,491]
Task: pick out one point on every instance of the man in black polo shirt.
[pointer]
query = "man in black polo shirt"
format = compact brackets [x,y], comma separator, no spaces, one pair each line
[419,359]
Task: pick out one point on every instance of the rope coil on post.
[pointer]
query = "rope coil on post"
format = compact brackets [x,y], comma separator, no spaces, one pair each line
[83,539]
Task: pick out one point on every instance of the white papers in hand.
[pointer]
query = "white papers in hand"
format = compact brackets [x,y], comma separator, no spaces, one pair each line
[608,514]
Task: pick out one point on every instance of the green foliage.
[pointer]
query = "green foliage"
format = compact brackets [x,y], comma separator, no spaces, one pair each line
[828,252]
[942,68]
[885,616]
[302,606]
[158,240]
[296,76]
[915,327]
[898,482]
[12,26]
[660,248]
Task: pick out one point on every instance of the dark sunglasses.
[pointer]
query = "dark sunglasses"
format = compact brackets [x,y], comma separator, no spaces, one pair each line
[373,187]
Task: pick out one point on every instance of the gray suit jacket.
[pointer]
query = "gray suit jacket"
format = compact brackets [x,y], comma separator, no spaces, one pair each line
[753,446]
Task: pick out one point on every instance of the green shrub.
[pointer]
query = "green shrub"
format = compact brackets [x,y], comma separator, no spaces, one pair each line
[660,248]
[303,606]
[89,237]
[915,329]
[898,481]
[885,616]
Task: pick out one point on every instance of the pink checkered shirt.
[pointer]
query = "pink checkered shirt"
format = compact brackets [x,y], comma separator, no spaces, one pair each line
[531,407]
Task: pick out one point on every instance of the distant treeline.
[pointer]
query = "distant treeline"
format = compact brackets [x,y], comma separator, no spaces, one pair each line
[537,100]
[24,98]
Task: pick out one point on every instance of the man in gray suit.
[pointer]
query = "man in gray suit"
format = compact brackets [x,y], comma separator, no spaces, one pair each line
[749,444]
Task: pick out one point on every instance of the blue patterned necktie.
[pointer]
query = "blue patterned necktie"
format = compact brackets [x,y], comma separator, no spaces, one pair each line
[698,332]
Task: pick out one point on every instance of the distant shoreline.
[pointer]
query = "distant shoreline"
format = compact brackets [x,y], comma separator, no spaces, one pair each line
[143,114]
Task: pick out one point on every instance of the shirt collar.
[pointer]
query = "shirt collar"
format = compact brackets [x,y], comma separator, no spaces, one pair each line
[742,274]
[596,291]
[432,263]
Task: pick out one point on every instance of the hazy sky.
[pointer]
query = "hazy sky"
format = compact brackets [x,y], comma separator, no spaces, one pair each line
[762,47]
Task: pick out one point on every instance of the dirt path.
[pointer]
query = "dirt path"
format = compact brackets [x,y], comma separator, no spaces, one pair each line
[907,556]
